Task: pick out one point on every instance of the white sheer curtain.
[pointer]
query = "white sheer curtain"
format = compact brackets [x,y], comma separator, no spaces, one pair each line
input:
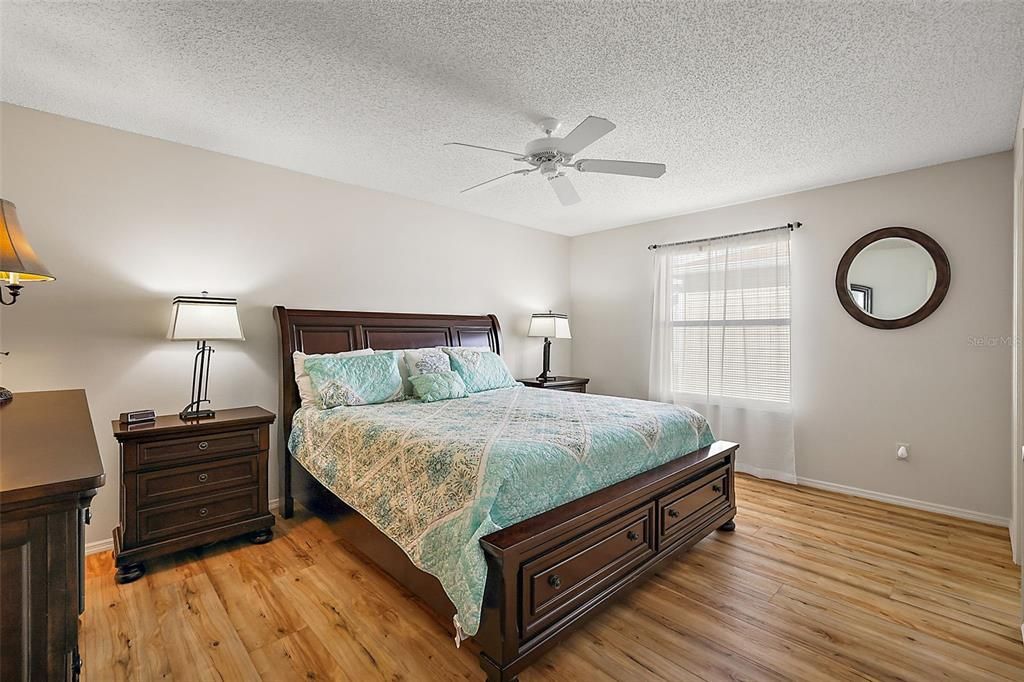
[720,343]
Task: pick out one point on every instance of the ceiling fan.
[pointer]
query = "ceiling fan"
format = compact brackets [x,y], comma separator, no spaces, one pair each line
[552,156]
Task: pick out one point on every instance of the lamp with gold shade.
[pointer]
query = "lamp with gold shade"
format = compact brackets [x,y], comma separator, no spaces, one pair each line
[18,262]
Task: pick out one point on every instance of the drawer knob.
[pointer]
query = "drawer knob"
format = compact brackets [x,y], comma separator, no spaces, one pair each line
[554,581]
[673,513]
[204,511]
[203,445]
[716,488]
[631,535]
[203,477]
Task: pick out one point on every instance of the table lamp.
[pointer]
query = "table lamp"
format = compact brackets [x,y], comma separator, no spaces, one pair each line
[201,319]
[18,263]
[549,325]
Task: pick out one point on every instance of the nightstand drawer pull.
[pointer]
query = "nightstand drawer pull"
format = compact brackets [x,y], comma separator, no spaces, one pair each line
[631,535]
[203,477]
[673,513]
[204,511]
[716,488]
[203,445]
[554,581]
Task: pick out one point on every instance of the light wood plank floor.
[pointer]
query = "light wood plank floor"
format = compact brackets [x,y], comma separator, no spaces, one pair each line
[812,585]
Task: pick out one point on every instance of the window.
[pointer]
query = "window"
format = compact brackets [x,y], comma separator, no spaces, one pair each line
[730,310]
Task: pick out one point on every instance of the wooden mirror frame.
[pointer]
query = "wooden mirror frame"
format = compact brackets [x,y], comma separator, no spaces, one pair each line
[942,277]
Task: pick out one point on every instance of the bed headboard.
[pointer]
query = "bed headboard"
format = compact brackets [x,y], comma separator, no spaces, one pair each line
[334,331]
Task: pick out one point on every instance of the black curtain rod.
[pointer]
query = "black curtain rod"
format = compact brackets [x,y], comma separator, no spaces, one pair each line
[787,226]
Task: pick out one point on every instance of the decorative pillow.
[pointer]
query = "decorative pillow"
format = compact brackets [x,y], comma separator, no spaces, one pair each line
[403,371]
[481,370]
[426,361]
[361,380]
[302,376]
[443,385]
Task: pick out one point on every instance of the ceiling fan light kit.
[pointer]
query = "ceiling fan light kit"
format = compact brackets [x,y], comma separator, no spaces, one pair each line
[553,156]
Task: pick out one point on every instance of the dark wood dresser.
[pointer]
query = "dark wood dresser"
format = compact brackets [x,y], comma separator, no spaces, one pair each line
[191,483]
[573,384]
[50,469]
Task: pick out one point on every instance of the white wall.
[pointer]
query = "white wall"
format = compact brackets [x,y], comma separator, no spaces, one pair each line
[940,385]
[126,222]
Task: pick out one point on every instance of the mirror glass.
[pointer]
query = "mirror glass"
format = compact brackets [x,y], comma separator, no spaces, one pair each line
[891,278]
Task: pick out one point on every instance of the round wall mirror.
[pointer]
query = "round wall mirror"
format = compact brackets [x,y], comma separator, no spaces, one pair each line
[892,278]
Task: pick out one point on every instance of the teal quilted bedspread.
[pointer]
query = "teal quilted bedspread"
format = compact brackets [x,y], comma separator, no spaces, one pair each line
[436,477]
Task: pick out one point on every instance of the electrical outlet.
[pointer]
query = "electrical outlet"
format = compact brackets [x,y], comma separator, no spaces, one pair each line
[903,451]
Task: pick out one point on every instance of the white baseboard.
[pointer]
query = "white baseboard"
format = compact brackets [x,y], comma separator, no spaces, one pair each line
[1013,542]
[766,473]
[968,514]
[108,544]
[99,546]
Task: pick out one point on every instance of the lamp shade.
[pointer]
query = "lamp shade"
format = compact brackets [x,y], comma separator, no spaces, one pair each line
[549,324]
[18,262]
[204,318]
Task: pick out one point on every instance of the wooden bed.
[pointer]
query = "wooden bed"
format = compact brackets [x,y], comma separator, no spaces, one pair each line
[544,574]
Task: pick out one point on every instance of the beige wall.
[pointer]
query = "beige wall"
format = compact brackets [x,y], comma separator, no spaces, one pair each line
[126,222]
[857,390]
[1017,445]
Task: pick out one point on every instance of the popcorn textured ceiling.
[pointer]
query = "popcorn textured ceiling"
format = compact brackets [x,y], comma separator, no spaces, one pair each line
[742,100]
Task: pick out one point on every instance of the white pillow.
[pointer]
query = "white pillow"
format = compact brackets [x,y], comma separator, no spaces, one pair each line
[427,361]
[302,380]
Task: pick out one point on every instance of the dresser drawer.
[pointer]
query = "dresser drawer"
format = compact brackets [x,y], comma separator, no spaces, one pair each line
[196,448]
[188,516]
[688,506]
[170,485]
[565,577]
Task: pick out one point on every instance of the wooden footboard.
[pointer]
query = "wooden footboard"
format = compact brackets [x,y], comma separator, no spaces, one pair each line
[546,574]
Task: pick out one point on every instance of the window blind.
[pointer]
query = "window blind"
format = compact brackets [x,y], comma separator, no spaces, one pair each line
[731,319]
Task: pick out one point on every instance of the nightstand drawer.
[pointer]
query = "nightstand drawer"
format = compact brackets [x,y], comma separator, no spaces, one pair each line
[169,485]
[196,448]
[189,516]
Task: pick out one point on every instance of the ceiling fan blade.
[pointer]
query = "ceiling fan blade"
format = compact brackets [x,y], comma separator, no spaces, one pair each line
[591,130]
[486,149]
[564,189]
[524,171]
[637,168]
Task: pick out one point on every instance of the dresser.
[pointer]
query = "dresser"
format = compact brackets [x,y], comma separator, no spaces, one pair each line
[50,469]
[191,483]
[572,384]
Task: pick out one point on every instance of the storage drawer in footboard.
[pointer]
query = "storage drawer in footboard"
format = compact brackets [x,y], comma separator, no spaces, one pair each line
[567,576]
[691,506]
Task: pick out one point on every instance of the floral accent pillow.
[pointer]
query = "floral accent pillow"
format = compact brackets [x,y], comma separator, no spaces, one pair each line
[481,370]
[306,395]
[361,380]
[426,361]
[443,385]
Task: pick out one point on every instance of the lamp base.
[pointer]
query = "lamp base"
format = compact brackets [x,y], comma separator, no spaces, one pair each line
[5,396]
[196,414]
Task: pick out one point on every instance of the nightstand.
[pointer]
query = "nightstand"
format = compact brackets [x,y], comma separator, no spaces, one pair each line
[191,483]
[571,384]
